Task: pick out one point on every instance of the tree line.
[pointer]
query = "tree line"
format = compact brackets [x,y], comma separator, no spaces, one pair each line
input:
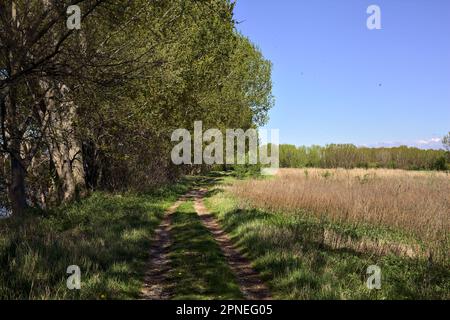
[351,156]
[94,108]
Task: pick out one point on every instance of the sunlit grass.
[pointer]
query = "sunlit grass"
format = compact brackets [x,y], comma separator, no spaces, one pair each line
[199,269]
[106,235]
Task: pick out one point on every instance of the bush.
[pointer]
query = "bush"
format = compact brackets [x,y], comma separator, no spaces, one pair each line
[440,164]
[247,170]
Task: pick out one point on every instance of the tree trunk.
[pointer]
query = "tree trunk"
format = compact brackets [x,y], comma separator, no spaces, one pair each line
[65,150]
[16,189]
[92,164]
[17,194]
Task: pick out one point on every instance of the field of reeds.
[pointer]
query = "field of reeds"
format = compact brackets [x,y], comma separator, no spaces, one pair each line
[314,232]
[411,202]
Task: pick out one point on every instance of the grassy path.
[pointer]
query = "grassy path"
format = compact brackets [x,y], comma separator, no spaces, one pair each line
[249,281]
[192,258]
[155,281]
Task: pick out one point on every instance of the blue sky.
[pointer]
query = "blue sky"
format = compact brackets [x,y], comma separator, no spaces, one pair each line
[335,81]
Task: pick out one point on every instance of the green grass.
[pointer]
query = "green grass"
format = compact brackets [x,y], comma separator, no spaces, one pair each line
[288,251]
[107,236]
[199,269]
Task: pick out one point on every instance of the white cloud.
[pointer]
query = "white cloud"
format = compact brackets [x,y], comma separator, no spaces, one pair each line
[429,143]
[432,143]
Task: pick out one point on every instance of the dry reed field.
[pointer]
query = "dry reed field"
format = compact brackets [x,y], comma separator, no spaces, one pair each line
[416,203]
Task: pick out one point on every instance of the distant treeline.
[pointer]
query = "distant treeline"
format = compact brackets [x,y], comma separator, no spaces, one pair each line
[350,156]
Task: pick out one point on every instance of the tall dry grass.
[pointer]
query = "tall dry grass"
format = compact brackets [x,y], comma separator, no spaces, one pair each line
[415,202]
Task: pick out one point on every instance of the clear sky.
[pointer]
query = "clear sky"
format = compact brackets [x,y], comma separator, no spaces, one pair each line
[336,81]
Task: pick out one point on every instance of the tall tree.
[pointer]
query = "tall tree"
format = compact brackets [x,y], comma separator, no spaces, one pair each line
[446,141]
[96,106]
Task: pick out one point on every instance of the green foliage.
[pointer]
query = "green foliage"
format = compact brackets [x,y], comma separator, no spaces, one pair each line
[200,69]
[134,73]
[242,171]
[440,163]
[246,170]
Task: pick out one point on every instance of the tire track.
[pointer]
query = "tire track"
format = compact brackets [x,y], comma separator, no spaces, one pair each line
[156,286]
[252,287]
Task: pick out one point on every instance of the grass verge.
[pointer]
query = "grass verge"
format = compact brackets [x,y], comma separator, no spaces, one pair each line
[107,236]
[199,269]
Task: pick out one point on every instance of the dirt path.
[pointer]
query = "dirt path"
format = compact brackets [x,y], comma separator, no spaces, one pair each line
[250,284]
[156,286]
